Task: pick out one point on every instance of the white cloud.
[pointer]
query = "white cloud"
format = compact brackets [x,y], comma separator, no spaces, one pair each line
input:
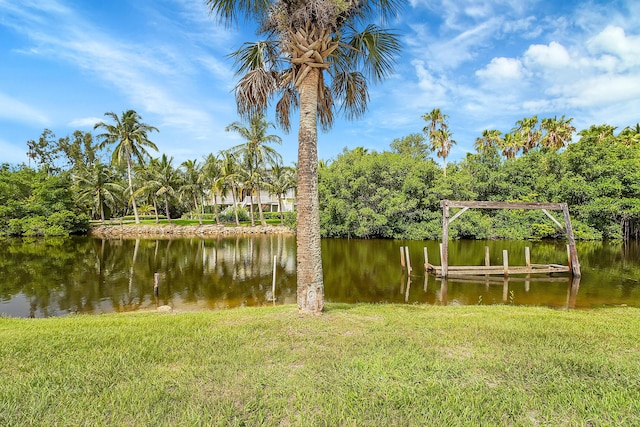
[14,109]
[430,85]
[501,68]
[553,55]
[85,122]
[613,41]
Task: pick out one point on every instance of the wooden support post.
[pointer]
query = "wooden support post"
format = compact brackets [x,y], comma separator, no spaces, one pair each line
[570,263]
[505,262]
[273,282]
[406,250]
[527,257]
[505,289]
[426,259]
[402,258]
[444,252]
[575,265]
[487,260]
[156,283]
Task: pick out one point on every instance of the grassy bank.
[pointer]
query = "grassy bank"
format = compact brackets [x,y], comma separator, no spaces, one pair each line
[355,365]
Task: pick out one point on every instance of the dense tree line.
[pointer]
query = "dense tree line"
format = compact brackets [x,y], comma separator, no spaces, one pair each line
[72,180]
[396,193]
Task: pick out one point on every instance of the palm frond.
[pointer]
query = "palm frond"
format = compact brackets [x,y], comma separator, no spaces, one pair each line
[287,103]
[351,88]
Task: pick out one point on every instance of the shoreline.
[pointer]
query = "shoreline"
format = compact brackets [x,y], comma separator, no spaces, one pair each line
[171,230]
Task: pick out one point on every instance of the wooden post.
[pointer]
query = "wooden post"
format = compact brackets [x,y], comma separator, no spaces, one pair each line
[505,262]
[505,289]
[402,257]
[406,250]
[487,260]
[570,263]
[156,283]
[426,259]
[527,257]
[273,283]
[406,295]
[575,265]
[444,258]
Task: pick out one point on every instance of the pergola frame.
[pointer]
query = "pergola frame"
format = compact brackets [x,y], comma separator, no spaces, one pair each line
[544,207]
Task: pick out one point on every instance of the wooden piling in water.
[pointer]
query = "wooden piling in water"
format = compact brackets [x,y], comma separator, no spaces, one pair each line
[527,256]
[487,260]
[402,263]
[426,259]
[406,249]
[156,283]
[505,262]
[273,283]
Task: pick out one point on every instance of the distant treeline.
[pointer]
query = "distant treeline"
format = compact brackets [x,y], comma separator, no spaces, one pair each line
[396,194]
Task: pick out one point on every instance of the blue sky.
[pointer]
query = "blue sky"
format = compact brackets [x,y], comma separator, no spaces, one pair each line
[64,63]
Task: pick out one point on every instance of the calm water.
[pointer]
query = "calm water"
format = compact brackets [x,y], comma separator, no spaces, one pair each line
[86,275]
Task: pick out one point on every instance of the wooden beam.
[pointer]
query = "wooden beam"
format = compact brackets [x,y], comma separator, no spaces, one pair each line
[575,265]
[453,218]
[546,212]
[503,205]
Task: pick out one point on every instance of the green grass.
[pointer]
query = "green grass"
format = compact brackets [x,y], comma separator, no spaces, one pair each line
[360,365]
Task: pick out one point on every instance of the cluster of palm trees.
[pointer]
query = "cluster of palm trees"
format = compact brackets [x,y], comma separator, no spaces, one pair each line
[153,185]
[529,133]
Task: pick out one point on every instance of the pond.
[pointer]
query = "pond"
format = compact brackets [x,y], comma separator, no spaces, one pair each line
[54,277]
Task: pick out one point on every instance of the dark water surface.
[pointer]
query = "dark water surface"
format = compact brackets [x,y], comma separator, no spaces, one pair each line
[54,277]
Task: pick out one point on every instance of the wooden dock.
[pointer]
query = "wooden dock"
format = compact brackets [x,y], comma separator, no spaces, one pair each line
[478,270]
[446,270]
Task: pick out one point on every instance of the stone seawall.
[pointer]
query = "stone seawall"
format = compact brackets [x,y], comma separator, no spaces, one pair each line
[183,230]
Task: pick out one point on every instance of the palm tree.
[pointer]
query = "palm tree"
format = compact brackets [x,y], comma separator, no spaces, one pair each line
[229,174]
[489,140]
[256,153]
[317,57]
[598,133]
[148,185]
[558,132]
[131,137]
[192,184]
[97,186]
[630,135]
[168,179]
[213,180]
[528,134]
[280,179]
[439,136]
[511,145]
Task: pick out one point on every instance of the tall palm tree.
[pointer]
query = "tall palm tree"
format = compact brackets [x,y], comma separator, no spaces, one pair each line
[317,57]
[488,140]
[97,187]
[558,132]
[511,145]
[256,153]
[598,133]
[148,184]
[131,137]
[168,180]
[528,133]
[229,175]
[280,179]
[630,135]
[437,131]
[192,186]
[213,181]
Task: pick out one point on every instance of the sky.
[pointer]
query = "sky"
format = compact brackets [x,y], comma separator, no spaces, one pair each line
[486,64]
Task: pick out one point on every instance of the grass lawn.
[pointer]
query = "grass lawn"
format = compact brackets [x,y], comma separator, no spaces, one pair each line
[360,365]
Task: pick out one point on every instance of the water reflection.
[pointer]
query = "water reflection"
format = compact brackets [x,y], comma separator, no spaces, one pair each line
[54,277]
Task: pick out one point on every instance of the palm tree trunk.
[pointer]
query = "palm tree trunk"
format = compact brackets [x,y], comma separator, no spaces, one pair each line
[195,202]
[280,208]
[262,221]
[253,221]
[235,204]
[166,208]
[310,288]
[215,210]
[155,208]
[133,199]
